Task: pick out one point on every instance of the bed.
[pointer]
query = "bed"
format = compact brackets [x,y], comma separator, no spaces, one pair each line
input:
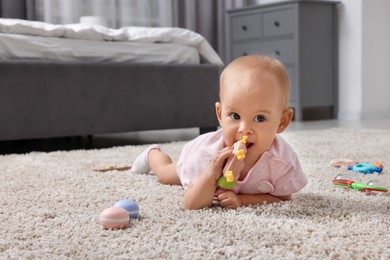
[74,80]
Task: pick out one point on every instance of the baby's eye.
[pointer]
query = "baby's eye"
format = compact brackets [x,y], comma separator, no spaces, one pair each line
[259,118]
[235,116]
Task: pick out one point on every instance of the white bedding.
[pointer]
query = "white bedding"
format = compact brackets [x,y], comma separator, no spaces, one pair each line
[15,47]
[39,40]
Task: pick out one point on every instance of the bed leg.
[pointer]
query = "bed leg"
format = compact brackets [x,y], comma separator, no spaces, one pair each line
[89,142]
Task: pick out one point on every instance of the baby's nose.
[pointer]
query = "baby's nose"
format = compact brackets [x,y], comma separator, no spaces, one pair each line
[245,128]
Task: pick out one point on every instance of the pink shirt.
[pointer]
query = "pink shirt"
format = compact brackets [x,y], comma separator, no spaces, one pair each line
[277,172]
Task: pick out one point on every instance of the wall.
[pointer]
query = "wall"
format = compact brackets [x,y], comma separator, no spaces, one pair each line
[350,59]
[376,59]
[364,59]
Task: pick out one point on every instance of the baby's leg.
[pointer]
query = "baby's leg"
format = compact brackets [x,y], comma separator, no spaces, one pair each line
[162,165]
[141,163]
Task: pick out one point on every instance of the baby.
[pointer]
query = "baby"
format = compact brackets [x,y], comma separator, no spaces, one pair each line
[254,92]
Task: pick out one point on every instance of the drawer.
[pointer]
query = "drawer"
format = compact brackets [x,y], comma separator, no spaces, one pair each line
[278,22]
[246,27]
[283,50]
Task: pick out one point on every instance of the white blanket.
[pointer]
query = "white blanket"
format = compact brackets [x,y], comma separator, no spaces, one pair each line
[101,33]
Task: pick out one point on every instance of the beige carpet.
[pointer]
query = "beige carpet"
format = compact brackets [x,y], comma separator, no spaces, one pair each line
[50,206]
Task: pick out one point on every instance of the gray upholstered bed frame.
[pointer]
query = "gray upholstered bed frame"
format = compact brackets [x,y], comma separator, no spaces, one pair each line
[58,99]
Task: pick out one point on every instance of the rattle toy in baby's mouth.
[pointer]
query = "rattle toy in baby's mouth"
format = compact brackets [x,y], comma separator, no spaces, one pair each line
[234,165]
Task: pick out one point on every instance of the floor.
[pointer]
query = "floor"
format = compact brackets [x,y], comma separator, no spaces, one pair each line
[146,137]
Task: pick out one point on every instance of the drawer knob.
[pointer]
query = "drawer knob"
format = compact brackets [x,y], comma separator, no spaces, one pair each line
[277,24]
[244,28]
[277,53]
[244,54]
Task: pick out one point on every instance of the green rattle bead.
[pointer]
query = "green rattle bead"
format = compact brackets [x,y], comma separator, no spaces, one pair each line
[223,183]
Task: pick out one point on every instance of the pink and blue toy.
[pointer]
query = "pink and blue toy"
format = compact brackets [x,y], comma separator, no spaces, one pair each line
[130,206]
[119,216]
[366,168]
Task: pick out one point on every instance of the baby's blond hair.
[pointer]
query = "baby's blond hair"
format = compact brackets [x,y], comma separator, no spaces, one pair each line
[257,65]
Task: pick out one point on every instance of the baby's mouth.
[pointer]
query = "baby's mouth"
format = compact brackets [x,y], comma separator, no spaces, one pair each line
[248,145]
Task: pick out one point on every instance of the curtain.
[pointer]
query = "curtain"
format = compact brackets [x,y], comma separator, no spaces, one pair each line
[20,9]
[117,13]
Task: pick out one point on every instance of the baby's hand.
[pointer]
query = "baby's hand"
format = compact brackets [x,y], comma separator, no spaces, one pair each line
[217,162]
[228,199]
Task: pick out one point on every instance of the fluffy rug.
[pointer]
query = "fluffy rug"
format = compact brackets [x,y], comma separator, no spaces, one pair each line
[51,202]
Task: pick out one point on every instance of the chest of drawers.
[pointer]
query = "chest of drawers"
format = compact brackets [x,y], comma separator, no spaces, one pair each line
[302,35]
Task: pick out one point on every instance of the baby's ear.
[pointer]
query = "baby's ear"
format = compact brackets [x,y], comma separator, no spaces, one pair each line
[218,111]
[285,119]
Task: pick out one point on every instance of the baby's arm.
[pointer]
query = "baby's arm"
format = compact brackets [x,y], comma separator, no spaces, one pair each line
[201,194]
[229,199]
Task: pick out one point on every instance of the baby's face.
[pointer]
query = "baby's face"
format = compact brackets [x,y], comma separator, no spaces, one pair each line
[253,108]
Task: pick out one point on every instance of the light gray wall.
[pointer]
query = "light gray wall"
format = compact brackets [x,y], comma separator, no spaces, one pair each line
[350,59]
[364,59]
[376,59]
